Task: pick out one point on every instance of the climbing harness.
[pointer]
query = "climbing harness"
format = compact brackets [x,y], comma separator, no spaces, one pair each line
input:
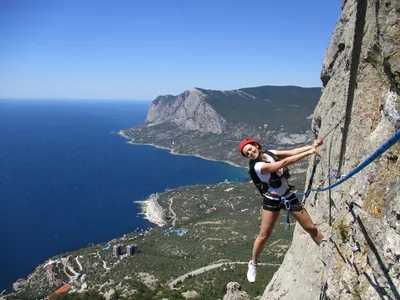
[286,202]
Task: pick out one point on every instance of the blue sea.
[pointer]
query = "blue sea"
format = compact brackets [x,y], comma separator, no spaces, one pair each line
[68,179]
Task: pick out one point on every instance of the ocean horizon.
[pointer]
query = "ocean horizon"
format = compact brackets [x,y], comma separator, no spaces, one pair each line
[68,179]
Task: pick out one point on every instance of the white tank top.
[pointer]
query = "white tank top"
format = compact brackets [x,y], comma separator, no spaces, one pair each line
[265,177]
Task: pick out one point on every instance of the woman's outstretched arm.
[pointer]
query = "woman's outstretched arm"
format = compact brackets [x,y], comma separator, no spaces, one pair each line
[290,160]
[286,153]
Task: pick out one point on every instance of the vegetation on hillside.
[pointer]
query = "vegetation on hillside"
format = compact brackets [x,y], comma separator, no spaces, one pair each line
[222,222]
[257,106]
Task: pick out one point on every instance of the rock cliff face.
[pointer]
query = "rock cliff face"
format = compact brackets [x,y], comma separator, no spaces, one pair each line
[358,111]
[188,111]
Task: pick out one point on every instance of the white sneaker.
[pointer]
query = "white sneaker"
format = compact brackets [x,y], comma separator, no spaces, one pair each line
[251,272]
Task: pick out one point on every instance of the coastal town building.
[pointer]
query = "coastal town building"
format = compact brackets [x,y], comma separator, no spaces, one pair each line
[121,249]
[131,249]
[116,250]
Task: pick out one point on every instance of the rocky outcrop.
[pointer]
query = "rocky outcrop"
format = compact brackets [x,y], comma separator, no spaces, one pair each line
[358,111]
[211,123]
[234,292]
[191,295]
[188,111]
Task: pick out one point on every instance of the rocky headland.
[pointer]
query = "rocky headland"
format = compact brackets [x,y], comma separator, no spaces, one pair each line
[210,124]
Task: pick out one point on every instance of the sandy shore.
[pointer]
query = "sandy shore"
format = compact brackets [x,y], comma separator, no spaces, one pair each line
[148,215]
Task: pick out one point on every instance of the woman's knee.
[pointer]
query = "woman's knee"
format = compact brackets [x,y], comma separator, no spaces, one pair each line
[311,229]
[305,221]
[264,235]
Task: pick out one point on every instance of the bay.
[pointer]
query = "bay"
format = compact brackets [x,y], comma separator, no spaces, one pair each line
[68,179]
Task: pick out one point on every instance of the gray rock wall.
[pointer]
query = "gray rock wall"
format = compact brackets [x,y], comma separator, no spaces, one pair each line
[358,111]
[188,111]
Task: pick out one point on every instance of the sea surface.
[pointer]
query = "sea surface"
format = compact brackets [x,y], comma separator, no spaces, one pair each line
[68,179]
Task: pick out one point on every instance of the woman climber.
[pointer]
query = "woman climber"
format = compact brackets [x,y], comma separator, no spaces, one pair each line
[270,174]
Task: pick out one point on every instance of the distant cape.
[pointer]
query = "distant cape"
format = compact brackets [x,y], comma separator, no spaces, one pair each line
[211,123]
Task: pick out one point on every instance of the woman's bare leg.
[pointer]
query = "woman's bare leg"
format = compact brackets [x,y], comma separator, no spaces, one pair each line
[268,220]
[305,221]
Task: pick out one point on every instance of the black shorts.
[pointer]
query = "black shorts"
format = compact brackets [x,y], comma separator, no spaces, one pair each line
[275,205]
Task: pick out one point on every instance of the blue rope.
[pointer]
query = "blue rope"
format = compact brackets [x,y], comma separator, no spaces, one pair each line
[389,143]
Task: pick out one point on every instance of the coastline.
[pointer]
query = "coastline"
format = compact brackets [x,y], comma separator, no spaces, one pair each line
[121,133]
[148,213]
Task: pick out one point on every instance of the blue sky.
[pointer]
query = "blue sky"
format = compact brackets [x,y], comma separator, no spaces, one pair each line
[140,49]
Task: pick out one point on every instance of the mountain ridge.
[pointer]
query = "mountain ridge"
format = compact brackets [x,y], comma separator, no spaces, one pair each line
[210,123]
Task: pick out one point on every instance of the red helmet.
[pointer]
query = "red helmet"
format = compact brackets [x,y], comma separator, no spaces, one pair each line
[246,142]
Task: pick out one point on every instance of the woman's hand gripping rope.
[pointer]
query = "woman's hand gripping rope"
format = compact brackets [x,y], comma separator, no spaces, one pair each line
[317,143]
